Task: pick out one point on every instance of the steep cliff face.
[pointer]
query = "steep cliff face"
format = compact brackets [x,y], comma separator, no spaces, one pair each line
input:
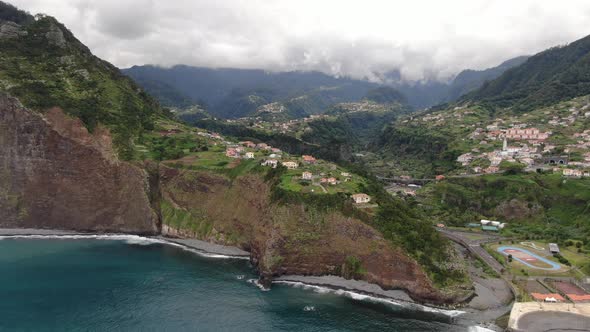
[54,174]
[284,239]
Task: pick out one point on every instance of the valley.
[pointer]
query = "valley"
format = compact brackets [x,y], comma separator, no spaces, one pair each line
[470,193]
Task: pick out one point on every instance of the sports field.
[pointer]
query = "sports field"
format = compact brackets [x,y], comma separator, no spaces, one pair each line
[529,259]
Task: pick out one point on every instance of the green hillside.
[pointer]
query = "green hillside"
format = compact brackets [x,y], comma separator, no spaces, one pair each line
[45,66]
[554,75]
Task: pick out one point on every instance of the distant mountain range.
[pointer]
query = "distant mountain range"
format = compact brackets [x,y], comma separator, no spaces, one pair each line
[233,93]
[422,95]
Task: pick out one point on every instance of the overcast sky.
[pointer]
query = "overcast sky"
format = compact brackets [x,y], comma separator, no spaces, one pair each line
[423,39]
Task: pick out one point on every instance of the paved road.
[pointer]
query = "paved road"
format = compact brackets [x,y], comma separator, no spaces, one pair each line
[413,180]
[474,246]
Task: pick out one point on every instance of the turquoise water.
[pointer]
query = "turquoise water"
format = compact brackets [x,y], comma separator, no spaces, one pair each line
[90,284]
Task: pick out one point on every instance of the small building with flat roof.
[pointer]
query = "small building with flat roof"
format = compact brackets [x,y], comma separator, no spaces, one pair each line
[554,248]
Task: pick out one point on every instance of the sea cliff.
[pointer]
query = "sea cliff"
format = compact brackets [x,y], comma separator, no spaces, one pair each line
[54,174]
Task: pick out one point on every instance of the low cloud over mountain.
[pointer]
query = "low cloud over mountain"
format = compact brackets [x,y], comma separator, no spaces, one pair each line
[362,39]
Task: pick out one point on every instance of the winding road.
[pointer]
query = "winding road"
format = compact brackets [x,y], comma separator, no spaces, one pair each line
[474,246]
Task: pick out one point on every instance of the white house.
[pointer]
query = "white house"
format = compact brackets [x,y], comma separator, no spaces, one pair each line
[290,164]
[465,159]
[573,172]
[249,155]
[270,162]
[307,176]
[361,198]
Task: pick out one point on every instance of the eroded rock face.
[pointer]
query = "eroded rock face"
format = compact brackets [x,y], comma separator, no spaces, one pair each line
[55,36]
[517,209]
[10,30]
[284,239]
[54,174]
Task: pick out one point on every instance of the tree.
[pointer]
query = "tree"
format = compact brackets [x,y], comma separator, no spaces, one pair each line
[511,168]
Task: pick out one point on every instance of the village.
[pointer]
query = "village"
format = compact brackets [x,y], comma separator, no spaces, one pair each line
[305,173]
[273,118]
[564,147]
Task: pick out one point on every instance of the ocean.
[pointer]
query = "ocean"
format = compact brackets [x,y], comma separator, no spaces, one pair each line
[127,283]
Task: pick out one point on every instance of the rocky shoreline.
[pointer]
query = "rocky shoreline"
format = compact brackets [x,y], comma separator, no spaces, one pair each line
[207,247]
[36,231]
[336,283]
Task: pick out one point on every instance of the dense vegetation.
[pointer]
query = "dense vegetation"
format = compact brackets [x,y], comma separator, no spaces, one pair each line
[469,80]
[554,75]
[355,129]
[400,221]
[49,67]
[287,143]
[386,95]
[536,206]
[427,152]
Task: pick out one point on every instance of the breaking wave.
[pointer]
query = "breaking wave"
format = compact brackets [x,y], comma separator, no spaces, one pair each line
[479,329]
[369,298]
[257,283]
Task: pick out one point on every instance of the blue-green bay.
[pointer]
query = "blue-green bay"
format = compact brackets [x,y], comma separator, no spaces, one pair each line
[90,284]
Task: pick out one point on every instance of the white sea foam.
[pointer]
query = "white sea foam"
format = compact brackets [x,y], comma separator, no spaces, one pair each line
[130,239]
[309,308]
[369,298]
[479,329]
[258,284]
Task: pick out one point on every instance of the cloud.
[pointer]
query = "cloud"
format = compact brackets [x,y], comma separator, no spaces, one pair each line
[363,39]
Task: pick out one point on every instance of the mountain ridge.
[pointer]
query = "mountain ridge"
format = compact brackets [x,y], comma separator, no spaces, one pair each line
[556,74]
[44,65]
[234,93]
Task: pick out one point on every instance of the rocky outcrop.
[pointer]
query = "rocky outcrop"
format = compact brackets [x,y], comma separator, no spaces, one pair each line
[55,36]
[54,174]
[285,239]
[10,30]
[517,209]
